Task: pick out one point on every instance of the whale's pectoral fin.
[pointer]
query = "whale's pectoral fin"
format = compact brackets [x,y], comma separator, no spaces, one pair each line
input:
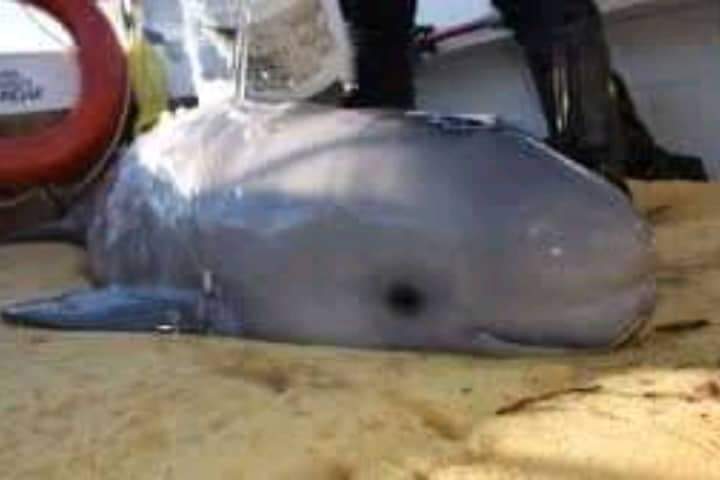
[113,309]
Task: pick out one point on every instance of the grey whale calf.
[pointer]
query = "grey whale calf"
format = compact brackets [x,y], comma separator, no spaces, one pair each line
[370,229]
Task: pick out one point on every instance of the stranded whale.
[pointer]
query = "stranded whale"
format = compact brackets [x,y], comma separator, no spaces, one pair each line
[370,229]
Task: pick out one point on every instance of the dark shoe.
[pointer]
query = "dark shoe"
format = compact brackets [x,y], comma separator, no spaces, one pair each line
[646,160]
[662,165]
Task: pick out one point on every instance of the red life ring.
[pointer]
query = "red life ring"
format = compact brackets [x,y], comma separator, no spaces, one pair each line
[63,151]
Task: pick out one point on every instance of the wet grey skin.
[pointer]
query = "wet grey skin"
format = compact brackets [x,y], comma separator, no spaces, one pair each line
[370,229]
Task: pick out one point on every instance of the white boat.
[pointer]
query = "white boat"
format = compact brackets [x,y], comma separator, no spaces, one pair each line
[667,50]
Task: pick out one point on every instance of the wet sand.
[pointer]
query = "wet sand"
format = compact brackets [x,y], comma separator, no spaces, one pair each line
[95,406]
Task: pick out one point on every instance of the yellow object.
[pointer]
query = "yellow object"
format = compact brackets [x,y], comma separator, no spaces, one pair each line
[149,83]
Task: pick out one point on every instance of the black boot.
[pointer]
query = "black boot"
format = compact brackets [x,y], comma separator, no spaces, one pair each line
[570,63]
[381,33]
[646,160]
[572,77]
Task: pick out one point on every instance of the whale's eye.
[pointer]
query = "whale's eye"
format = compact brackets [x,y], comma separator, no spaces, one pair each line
[405,299]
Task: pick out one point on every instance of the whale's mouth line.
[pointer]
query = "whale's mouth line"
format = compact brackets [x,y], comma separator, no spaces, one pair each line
[637,328]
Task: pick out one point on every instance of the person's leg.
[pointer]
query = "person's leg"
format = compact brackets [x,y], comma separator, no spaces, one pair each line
[570,63]
[589,111]
[381,32]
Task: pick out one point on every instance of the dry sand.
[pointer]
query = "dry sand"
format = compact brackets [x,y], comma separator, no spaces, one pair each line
[93,406]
